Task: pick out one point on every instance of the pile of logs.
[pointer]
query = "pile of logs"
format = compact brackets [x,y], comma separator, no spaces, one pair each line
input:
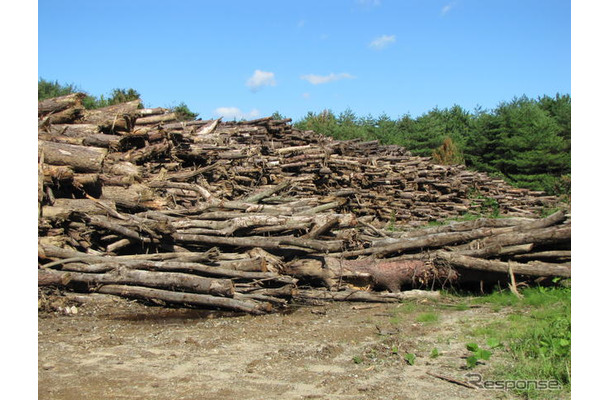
[251,215]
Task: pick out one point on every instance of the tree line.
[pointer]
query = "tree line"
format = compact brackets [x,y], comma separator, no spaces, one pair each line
[525,141]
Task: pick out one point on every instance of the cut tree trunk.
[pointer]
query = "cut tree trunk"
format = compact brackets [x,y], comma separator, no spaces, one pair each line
[79,158]
[61,103]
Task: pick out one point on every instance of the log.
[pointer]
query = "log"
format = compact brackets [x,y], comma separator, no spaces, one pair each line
[62,208]
[156,119]
[119,117]
[364,296]
[534,269]
[61,103]
[255,198]
[56,173]
[73,130]
[123,275]
[262,242]
[102,140]
[201,300]
[79,158]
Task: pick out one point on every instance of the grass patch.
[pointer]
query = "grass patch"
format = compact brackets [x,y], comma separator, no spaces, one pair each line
[537,336]
[427,317]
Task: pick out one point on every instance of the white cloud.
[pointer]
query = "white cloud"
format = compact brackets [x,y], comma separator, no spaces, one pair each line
[369,3]
[260,79]
[230,113]
[447,8]
[318,79]
[382,42]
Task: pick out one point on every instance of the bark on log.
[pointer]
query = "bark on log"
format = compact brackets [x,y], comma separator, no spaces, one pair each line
[123,275]
[534,269]
[364,296]
[61,103]
[73,130]
[79,158]
[119,117]
[62,208]
[262,242]
[201,300]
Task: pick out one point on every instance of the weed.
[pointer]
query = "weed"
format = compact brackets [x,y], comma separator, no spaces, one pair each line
[410,358]
[434,353]
[357,359]
[478,353]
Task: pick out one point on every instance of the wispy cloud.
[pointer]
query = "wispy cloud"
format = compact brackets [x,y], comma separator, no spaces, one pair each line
[447,7]
[260,79]
[306,95]
[229,113]
[319,79]
[382,42]
[301,23]
[369,3]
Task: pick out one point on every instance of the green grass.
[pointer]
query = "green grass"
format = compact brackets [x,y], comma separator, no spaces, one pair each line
[537,337]
[427,317]
[528,339]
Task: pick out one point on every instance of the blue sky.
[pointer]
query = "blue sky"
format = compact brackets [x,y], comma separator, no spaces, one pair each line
[247,59]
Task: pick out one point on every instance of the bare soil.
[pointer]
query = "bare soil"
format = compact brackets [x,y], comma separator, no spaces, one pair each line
[114,348]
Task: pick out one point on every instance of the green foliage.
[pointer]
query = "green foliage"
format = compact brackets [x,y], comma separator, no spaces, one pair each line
[434,353]
[478,353]
[521,141]
[277,116]
[184,113]
[410,358]
[48,89]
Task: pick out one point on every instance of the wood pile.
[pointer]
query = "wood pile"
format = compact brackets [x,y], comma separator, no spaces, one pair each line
[251,215]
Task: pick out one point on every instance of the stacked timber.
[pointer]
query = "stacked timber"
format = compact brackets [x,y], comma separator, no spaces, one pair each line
[250,215]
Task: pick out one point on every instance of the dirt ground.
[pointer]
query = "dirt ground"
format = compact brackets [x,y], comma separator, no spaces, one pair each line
[114,348]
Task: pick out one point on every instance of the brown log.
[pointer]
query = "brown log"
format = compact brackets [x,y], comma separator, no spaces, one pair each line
[79,158]
[102,140]
[73,130]
[262,242]
[550,235]
[123,275]
[533,269]
[364,296]
[255,198]
[60,103]
[157,119]
[119,117]
[66,116]
[554,254]
[62,208]
[57,173]
[202,300]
